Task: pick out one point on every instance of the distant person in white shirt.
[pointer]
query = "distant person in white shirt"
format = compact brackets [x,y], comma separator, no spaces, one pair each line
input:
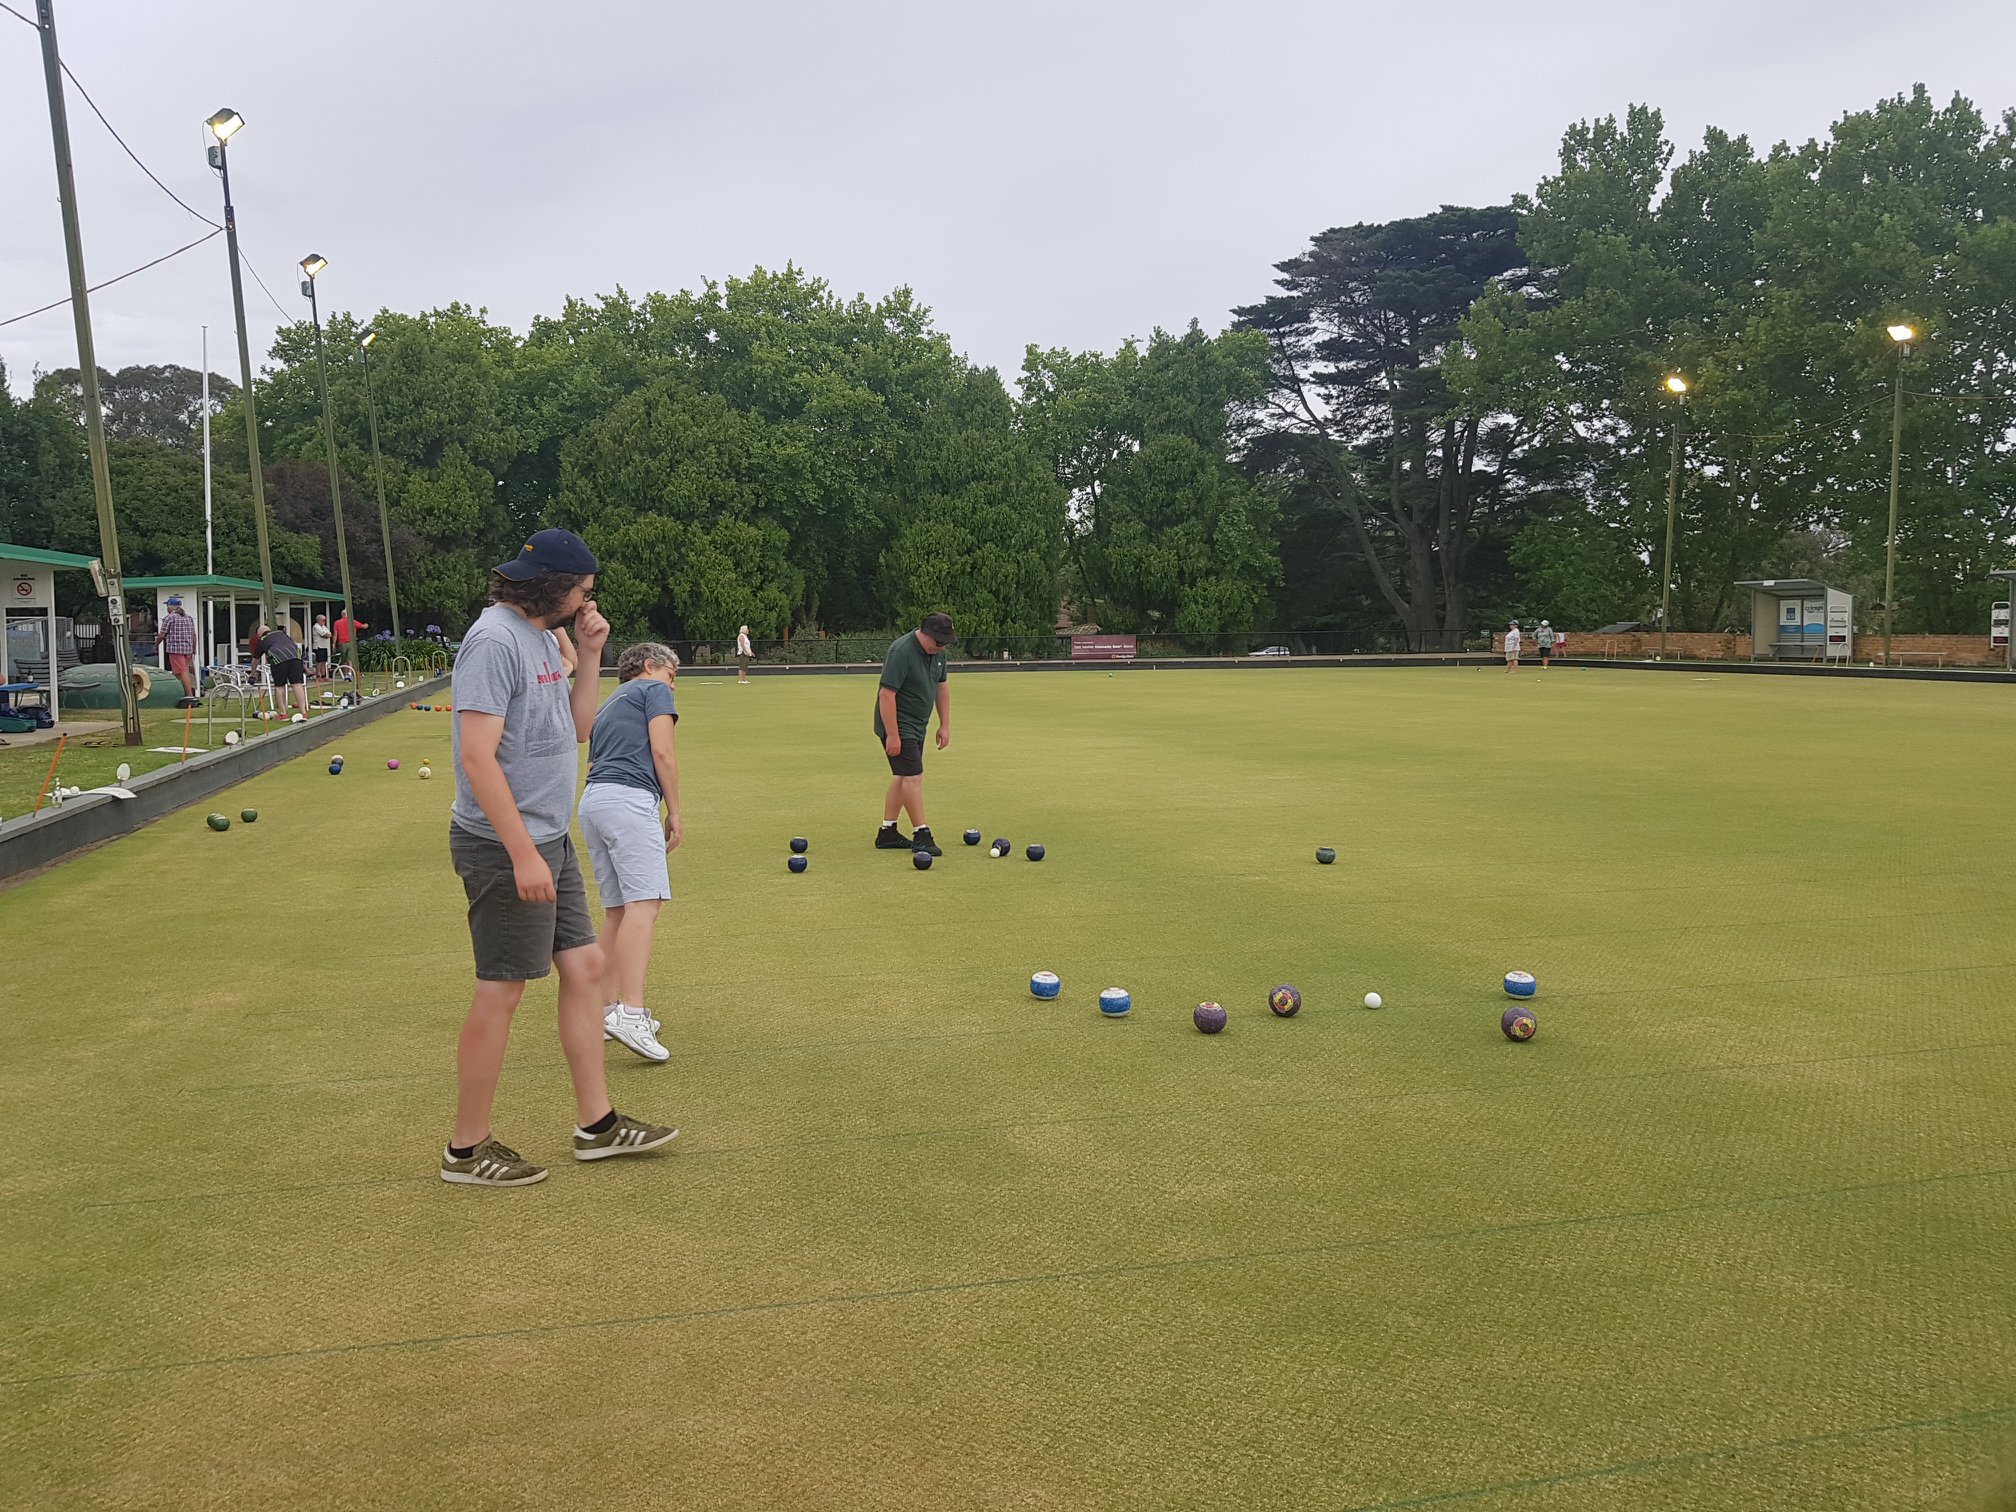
[1544,639]
[744,653]
[1512,648]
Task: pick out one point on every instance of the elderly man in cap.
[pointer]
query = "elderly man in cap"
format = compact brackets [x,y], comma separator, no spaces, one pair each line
[913,680]
[517,730]
[178,641]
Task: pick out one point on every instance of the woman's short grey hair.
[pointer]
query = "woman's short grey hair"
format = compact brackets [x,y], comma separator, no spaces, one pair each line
[640,658]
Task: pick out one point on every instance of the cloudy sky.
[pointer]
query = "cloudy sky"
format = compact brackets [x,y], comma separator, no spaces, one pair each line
[1062,173]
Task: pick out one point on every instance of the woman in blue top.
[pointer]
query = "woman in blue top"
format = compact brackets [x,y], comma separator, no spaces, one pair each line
[631,770]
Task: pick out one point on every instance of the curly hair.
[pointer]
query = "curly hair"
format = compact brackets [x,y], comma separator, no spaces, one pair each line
[638,659]
[537,598]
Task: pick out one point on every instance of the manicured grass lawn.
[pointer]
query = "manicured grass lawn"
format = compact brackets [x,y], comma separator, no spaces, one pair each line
[1738,1229]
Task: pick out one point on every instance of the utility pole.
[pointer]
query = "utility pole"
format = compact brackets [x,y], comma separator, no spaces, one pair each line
[364,340]
[312,264]
[87,374]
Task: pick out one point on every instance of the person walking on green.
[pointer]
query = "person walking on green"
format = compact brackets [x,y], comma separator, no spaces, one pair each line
[913,680]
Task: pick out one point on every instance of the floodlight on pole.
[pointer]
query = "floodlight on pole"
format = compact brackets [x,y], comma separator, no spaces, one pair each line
[1901,335]
[312,264]
[1678,387]
[364,339]
[224,125]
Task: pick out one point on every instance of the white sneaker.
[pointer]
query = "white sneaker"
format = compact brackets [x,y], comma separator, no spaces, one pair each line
[632,1029]
[610,1013]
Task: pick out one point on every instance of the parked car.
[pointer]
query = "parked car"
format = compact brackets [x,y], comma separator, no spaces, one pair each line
[1273,651]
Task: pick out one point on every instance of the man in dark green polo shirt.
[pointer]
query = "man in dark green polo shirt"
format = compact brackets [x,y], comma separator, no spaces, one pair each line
[913,679]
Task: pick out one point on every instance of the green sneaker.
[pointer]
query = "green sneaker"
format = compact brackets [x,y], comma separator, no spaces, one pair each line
[627,1136]
[491,1164]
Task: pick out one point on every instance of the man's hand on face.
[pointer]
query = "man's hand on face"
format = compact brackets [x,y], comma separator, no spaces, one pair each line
[591,630]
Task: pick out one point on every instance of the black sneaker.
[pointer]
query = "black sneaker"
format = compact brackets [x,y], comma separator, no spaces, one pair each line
[890,837]
[922,841]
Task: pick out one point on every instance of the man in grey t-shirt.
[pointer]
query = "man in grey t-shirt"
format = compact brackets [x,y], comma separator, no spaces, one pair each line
[517,730]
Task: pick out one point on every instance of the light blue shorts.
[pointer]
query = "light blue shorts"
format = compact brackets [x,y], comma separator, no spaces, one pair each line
[626,844]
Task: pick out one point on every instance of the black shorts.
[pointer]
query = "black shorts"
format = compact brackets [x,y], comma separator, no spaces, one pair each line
[908,764]
[516,941]
[321,656]
[289,672]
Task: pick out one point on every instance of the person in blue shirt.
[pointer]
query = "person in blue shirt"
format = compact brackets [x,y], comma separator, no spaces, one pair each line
[632,769]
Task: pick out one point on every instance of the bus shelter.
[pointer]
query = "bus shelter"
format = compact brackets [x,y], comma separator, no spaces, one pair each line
[1799,619]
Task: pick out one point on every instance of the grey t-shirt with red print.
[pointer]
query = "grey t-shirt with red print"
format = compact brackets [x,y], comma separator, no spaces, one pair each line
[509,666]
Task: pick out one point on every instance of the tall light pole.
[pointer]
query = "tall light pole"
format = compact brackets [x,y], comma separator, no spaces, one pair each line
[87,374]
[364,339]
[1902,335]
[223,126]
[1677,387]
[312,264]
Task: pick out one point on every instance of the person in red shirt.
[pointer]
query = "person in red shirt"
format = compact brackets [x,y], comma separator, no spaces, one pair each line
[347,628]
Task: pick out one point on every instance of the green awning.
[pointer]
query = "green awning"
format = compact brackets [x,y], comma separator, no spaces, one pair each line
[212,580]
[44,558]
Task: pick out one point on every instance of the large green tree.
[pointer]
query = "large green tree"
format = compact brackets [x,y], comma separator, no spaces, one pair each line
[1358,424]
[162,403]
[1768,283]
[1167,535]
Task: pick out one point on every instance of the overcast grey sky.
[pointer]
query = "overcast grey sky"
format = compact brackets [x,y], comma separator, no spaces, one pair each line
[1062,173]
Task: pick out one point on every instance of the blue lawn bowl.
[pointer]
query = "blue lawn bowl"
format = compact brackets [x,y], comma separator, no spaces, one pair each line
[971,837]
[1520,984]
[1044,984]
[1208,1017]
[335,769]
[1519,1024]
[1325,855]
[1114,1002]
[797,863]
[799,845]
[1035,853]
[921,860]
[999,848]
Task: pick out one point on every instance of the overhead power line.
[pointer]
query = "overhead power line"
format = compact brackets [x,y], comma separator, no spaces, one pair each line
[58,304]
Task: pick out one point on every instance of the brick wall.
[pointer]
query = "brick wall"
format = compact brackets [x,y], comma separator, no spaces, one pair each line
[1906,650]
[1916,650]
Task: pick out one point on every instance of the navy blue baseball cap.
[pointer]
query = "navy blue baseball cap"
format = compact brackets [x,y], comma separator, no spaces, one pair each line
[549,551]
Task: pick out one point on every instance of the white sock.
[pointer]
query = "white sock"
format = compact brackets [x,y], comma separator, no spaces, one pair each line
[888,824]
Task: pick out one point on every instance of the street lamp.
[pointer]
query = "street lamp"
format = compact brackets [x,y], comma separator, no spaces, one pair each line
[1676,386]
[364,339]
[312,264]
[1901,336]
[223,126]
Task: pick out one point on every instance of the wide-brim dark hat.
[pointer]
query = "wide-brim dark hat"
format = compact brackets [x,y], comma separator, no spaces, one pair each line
[549,551]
